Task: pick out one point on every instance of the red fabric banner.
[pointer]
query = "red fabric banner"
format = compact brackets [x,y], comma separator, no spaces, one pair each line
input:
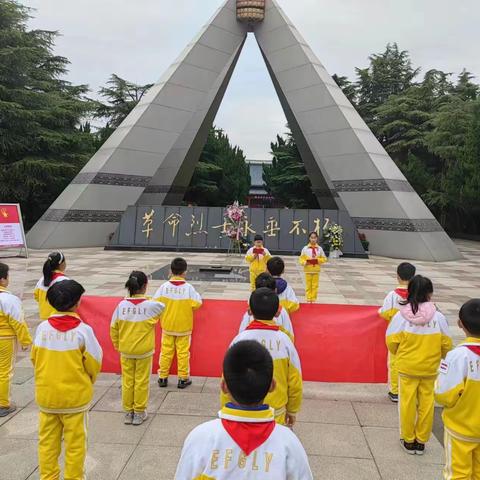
[336,343]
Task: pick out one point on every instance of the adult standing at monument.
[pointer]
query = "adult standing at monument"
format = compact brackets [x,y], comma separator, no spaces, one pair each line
[311,258]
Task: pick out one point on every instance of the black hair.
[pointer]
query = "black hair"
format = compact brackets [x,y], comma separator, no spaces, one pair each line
[178,266]
[276,266]
[406,271]
[264,304]
[62,296]
[257,238]
[248,372]
[470,316]
[313,233]
[265,280]
[4,268]
[53,262]
[136,281]
[420,290]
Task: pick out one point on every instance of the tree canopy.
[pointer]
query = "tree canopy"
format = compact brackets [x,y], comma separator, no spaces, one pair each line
[43,143]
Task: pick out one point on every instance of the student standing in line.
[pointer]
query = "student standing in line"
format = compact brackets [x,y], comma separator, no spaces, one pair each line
[311,258]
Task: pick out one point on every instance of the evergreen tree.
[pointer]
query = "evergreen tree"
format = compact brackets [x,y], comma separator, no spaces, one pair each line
[42,142]
[286,178]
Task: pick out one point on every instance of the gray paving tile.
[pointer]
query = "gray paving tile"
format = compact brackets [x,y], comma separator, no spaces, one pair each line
[18,458]
[171,430]
[112,400]
[377,414]
[179,403]
[23,395]
[154,463]
[324,411]
[22,375]
[23,425]
[411,468]
[385,444]
[333,440]
[108,427]
[337,468]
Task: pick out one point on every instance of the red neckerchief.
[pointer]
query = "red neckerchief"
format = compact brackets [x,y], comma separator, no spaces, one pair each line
[259,325]
[177,283]
[474,348]
[57,275]
[248,436]
[402,292]
[314,251]
[136,301]
[64,323]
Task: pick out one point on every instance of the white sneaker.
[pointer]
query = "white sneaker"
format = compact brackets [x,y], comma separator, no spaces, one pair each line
[128,418]
[139,418]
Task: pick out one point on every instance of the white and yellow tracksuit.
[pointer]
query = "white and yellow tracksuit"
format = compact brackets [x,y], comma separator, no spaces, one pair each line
[309,255]
[282,319]
[286,295]
[419,341]
[243,443]
[180,300]
[40,294]
[12,329]
[257,265]
[67,359]
[458,390]
[133,335]
[287,371]
[391,306]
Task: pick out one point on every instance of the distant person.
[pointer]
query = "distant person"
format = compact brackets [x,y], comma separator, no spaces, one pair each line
[245,442]
[66,358]
[288,299]
[419,337]
[286,399]
[257,257]
[180,300]
[311,258]
[133,335]
[458,390]
[282,318]
[13,329]
[53,272]
[391,306]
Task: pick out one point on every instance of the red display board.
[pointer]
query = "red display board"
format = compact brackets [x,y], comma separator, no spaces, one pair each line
[336,343]
[12,234]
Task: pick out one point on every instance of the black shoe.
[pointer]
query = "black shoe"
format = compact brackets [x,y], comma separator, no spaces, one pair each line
[393,397]
[163,382]
[4,411]
[184,383]
[419,448]
[410,448]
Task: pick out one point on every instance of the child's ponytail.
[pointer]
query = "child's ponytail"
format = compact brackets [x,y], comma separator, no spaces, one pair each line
[420,290]
[135,283]
[54,260]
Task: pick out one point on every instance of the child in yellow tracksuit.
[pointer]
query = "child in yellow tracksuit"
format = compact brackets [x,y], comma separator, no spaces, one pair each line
[180,300]
[391,306]
[286,399]
[12,329]
[67,359]
[458,390]
[53,272]
[257,257]
[286,295]
[419,336]
[311,258]
[133,334]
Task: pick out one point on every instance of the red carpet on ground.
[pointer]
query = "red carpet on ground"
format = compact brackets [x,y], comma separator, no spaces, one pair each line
[336,343]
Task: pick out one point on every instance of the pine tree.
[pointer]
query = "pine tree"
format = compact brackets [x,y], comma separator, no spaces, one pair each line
[42,144]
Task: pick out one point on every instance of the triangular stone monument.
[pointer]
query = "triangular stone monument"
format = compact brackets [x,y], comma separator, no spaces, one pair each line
[150,158]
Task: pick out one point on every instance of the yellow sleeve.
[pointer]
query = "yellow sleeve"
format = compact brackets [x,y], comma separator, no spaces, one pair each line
[388,314]
[451,380]
[33,355]
[447,345]
[16,320]
[196,299]
[295,390]
[303,259]
[393,342]
[114,335]
[249,258]
[394,335]
[289,306]
[36,295]
[322,260]
[92,355]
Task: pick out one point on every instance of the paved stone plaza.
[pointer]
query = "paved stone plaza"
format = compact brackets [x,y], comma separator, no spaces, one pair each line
[349,431]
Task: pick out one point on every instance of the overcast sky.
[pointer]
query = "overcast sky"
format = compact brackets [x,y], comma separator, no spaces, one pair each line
[139,39]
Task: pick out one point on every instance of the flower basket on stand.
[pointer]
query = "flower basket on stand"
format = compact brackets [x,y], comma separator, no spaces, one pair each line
[235,217]
[333,236]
